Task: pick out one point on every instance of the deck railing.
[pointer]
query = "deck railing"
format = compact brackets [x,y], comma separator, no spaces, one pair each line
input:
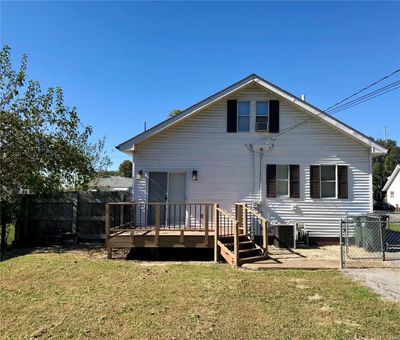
[253,225]
[169,216]
[226,234]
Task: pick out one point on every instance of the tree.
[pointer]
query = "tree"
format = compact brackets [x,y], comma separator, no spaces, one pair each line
[383,166]
[174,113]
[44,147]
[125,169]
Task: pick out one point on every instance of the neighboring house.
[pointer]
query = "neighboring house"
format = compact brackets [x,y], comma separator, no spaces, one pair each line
[111,183]
[249,143]
[392,187]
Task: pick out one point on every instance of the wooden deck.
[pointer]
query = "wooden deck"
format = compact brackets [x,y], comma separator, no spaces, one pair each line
[166,238]
[240,239]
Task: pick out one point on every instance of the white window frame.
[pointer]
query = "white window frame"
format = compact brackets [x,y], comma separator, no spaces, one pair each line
[238,114]
[283,180]
[329,181]
[262,101]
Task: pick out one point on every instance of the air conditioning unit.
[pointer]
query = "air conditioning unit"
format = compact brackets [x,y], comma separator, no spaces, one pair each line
[262,126]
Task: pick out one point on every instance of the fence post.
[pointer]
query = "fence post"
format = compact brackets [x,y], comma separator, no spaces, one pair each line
[107,231]
[382,228]
[3,235]
[74,227]
[341,244]
[216,232]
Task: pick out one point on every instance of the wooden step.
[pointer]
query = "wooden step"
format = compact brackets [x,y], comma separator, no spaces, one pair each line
[242,244]
[252,259]
[244,253]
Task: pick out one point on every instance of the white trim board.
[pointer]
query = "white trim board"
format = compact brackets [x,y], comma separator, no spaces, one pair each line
[391,178]
[129,145]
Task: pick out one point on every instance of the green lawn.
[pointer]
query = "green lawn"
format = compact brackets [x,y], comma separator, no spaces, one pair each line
[10,233]
[395,226]
[71,295]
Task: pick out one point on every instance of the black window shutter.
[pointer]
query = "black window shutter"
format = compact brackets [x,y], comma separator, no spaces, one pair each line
[294,181]
[231,116]
[342,183]
[315,191]
[271,180]
[274,116]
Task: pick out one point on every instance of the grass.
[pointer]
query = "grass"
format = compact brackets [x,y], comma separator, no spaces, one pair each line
[394,227]
[10,234]
[71,295]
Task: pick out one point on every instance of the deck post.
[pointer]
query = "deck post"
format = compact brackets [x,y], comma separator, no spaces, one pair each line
[265,235]
[216,232]
[157,223]
[206,223]
[121,215]
[107,230]
[244,221]
[239,215]
[132,235]
[236,244]
[133,216]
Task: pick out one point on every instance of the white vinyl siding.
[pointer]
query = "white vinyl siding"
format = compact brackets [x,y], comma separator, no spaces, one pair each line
[224,164]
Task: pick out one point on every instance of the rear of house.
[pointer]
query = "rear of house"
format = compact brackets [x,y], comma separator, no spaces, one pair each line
[256,143]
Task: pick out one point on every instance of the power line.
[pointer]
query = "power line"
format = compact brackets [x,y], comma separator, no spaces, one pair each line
[365,88]
[369,98]
[335,108]
[360,99]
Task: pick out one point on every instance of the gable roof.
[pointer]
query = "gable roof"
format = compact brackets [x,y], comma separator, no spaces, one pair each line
[129,145]
[390,180]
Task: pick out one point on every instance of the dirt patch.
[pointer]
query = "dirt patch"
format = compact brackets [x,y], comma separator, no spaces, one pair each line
[383,281]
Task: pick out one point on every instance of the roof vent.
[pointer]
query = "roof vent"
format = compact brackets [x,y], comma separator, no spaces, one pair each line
[303,97]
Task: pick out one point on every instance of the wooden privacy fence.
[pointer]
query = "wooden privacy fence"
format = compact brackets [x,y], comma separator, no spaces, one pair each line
[77,216]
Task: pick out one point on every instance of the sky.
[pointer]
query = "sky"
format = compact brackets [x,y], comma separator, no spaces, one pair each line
[125,63]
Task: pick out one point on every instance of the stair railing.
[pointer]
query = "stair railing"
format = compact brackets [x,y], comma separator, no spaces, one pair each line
[253,225]
[226,234]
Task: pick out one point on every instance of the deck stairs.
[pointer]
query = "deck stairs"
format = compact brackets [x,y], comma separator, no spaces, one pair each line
[249,251]
[234,242]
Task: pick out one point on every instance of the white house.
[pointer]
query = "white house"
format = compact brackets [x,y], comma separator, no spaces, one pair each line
[392,187]
[254,142]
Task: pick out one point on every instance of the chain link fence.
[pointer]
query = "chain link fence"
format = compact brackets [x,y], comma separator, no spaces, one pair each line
[368,240]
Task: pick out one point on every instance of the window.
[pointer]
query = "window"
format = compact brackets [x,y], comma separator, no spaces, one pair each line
[262,111]
[243,116]
[328,181]
[392,194]
[282,180]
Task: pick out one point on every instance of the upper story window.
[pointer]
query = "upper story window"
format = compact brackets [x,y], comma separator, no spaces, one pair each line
[243,109]
[262,113]
[328,181]
[392,194]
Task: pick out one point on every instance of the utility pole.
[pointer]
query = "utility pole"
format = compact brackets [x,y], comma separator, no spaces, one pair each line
[384,134]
